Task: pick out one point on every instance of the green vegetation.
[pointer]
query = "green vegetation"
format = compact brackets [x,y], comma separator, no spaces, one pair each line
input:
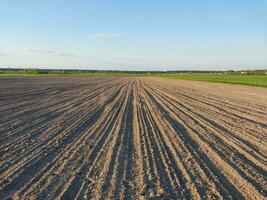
[37,72]
[250,77]
[243,79]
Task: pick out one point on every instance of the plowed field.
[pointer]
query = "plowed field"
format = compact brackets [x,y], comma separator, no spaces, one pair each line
[131,138]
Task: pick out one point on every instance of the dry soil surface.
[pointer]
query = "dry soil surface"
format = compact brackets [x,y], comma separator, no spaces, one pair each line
[131,138]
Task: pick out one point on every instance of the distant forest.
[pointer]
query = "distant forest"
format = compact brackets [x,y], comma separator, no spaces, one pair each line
[121,72]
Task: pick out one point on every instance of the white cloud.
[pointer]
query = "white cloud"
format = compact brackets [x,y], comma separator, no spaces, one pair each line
[106,36]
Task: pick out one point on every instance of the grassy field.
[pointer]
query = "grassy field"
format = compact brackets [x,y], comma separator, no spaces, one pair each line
[254,80]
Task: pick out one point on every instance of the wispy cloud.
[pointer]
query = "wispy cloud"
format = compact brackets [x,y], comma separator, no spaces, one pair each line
[45,51]
[67,54]
[52,52]
[106,36]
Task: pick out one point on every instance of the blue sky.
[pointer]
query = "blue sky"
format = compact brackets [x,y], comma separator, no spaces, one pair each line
[134,35]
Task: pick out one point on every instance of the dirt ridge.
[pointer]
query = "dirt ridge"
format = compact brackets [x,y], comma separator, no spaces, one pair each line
[131,138]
